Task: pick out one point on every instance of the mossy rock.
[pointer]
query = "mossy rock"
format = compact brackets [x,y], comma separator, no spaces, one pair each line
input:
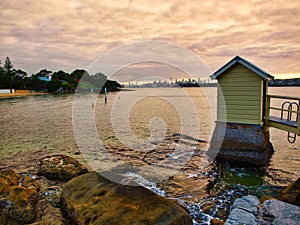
[18,197]
[92,199]
[60,167]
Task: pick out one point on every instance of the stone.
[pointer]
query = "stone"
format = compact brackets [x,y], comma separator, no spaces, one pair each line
[207,207]
[47,214]
[60,167]
[291,193]
[248,203]
[239,216]
[92,199]
[52,196]
[222,213]
[278,212]
[216,222]
[18,197]
[245,210]
[240,144]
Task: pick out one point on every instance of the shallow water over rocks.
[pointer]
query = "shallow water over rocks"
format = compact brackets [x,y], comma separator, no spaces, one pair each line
[37,126]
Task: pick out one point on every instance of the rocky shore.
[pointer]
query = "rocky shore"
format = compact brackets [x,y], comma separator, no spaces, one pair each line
[65,192]
[57,189]
[248,210]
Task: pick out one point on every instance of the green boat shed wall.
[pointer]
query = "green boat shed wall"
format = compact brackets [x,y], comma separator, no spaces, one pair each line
[242,100]
[242,92]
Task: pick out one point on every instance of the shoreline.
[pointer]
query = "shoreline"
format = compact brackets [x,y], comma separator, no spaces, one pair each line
[15,95]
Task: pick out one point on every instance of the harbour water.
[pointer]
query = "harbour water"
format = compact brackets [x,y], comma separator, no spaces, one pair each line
[143,127]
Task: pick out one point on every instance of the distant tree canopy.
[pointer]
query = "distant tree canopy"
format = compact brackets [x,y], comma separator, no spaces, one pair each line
[284,82]
[7,65]
[46,80]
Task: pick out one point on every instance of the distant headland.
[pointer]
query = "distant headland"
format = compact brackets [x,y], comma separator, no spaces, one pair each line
[53,82]
[63,82]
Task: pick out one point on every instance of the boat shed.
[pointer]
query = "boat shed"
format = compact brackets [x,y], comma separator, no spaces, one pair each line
[242,92]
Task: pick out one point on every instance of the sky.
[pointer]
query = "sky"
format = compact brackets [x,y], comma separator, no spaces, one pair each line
[70,34]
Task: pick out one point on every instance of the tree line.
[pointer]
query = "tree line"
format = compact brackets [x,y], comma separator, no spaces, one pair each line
[48,81]
[284,82]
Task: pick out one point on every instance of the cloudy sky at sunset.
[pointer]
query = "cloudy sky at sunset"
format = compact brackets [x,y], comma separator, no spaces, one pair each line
[66,35]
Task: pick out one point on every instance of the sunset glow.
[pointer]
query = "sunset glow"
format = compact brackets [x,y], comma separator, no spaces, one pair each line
[67,35]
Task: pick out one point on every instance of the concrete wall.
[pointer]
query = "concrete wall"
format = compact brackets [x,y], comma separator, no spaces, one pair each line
[241,144]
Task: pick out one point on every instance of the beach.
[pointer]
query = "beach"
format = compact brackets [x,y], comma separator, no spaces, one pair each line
[33,127]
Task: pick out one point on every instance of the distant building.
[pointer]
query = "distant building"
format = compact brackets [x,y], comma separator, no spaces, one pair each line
[42,78]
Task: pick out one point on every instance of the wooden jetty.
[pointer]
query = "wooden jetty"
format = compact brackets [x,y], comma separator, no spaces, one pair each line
[289,118]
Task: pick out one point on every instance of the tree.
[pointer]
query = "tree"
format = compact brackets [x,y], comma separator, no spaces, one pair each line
[7,65]
[19,78]
[44,73]
[61,76]
[19,73]
[78,73]
[37,84]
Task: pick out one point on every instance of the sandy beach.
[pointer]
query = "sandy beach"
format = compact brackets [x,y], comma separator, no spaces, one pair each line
[12,95]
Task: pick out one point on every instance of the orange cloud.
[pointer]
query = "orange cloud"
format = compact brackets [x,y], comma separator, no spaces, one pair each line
[66,35]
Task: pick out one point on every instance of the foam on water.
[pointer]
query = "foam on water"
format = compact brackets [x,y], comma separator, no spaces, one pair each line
[145,183]
[194,209]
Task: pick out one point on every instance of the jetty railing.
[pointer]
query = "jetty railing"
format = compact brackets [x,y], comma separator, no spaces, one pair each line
[285,117]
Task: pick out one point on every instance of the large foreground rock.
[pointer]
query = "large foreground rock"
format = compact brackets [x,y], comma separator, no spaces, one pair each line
[92,199]
[291,193]
[280,213]
[18,197]
[60,167]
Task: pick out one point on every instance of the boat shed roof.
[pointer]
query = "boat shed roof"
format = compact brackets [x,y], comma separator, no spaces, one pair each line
[263,74]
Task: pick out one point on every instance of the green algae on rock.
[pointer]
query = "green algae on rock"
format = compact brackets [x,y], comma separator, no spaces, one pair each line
[92,199]
[18,198]
[60,167]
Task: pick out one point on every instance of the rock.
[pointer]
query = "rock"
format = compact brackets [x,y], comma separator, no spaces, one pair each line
[247,210]
[60,167]
[52,196]
[125,168]
[207,207]
[240,145]
[92,199]
[248,203]
[239,216]
[222,213]
[18,198]
[244,210]
[47,214]
[278,212]
[291,193]
[216,222]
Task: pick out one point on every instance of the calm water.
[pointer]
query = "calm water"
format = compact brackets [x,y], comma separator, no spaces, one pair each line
[138,121]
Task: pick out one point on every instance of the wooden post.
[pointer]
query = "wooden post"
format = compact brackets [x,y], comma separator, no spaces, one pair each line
[105,95]
[268,103]
[298,119]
